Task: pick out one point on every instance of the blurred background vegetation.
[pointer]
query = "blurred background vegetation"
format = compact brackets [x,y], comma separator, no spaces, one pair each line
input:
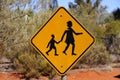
[19,19]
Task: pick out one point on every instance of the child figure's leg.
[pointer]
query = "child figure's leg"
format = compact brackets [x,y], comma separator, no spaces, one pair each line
[48,51]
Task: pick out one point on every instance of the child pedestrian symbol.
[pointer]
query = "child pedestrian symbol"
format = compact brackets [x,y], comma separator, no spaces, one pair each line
[52,45]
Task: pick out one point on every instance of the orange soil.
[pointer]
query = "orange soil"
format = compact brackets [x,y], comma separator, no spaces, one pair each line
[74,75]
[92,75]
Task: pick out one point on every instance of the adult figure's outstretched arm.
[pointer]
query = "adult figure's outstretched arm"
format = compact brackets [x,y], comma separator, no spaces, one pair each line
[76,32]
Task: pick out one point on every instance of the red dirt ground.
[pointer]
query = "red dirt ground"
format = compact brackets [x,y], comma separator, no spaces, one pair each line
[92,75]
[74,75]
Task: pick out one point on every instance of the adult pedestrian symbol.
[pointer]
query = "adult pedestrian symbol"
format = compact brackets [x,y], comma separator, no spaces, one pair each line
[62,40]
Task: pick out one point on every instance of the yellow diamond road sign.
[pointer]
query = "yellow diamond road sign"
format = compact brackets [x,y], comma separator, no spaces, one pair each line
[62,40]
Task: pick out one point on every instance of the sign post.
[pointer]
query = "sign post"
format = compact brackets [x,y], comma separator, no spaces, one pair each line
[62,41]
[63,77]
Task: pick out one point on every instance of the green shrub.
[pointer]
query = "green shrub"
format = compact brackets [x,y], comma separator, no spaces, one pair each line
[32,65]
[15,44]
[97,55]
[112,37]
[113,28]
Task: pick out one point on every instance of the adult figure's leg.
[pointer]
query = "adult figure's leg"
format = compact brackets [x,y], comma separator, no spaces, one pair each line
[55,51]
[73,48]
[68,44]
[48,51]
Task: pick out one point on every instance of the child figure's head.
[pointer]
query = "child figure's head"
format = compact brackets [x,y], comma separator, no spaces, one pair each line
[52,35]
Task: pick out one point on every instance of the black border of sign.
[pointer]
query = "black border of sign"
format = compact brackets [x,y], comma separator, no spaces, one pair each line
[44,55]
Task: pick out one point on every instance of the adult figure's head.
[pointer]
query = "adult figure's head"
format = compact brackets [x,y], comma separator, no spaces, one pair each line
[69,24]
[52,35]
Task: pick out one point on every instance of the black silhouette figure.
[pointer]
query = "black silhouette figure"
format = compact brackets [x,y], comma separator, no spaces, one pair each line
[69,37]
[118,76]
[52,45]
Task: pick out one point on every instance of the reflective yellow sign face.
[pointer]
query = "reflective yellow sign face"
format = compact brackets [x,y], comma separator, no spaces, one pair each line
[62,40]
